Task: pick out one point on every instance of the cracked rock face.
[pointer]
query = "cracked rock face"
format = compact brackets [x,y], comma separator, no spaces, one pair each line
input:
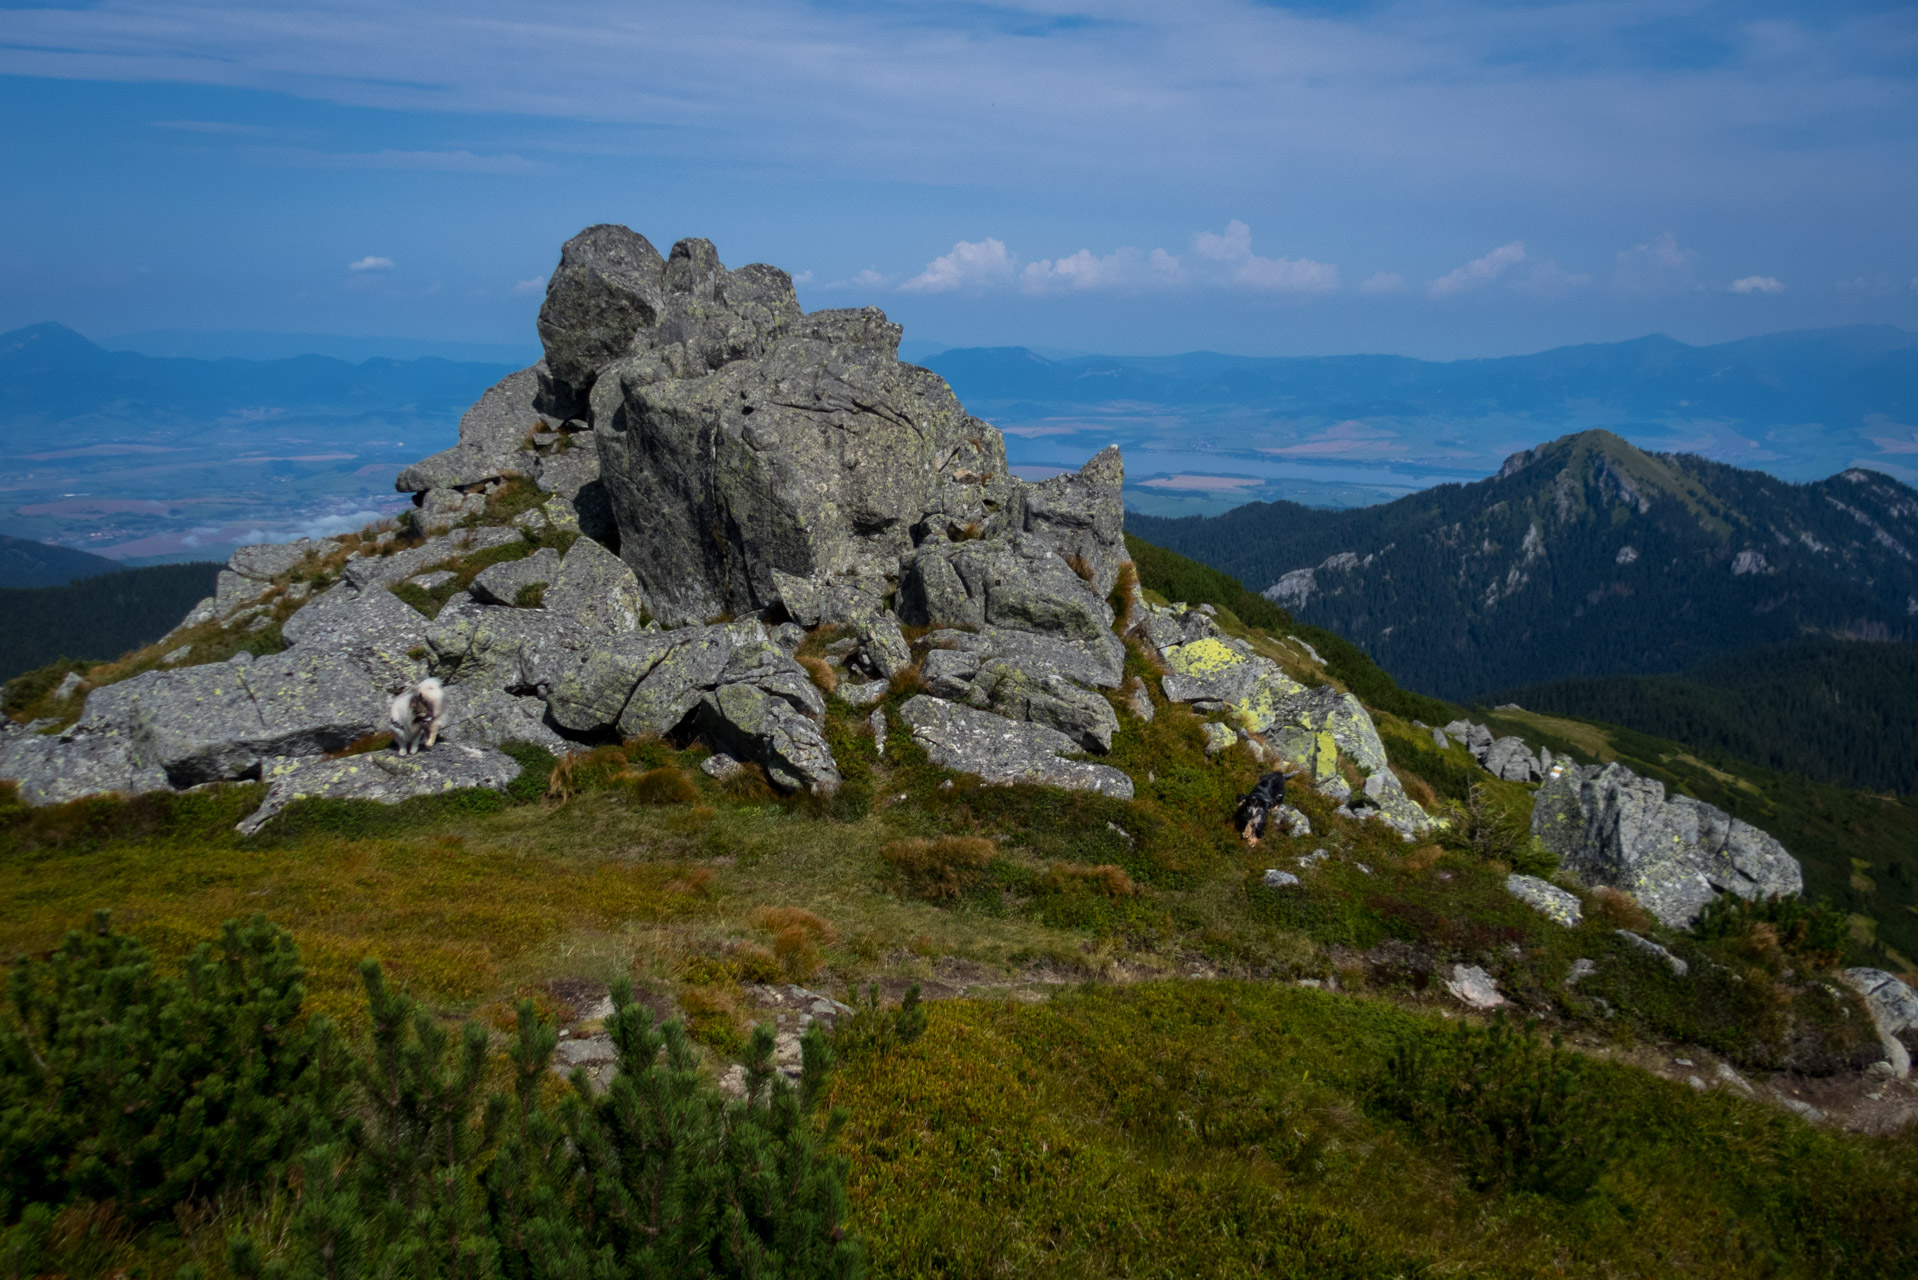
[1609,826]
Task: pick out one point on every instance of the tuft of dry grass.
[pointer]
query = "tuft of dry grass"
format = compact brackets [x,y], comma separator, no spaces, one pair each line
[1616,910]
[906,681]
[1418,788]
[939,869]
[821,672]
[667,784]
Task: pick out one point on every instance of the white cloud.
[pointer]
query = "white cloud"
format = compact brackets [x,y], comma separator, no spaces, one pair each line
[804,277]
[1757,284]
[1478,272]
[1383,282]
[1233,251]
[1657,266]
[970,265]
[1086,270]
[370,263]
[536,285]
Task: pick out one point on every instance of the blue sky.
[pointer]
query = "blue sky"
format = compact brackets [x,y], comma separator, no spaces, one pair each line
[1437,179]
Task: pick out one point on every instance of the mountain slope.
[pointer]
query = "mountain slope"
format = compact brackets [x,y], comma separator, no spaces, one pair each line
[97,617]
[25,563]
[1582,557]
[1842,711]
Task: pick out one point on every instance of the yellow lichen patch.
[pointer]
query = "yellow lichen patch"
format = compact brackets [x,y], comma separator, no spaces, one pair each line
[1202,658]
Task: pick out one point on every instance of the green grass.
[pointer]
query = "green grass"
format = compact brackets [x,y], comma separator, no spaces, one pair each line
[1230,1129]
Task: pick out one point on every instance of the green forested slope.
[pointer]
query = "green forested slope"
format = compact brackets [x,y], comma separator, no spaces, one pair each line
[1840,711]
[1583,557]
[97,618]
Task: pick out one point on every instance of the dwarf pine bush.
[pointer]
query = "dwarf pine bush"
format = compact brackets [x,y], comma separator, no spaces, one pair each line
[1506,1107]
[121,1087]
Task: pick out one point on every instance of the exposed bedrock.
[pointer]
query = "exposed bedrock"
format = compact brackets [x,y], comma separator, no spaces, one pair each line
[1609,826]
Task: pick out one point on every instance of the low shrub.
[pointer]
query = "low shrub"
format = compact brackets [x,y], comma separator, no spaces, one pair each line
[125,1096]
[1508,1107]
[1815,933]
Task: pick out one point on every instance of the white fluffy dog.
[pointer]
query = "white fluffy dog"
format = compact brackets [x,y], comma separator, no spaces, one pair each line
[418,715]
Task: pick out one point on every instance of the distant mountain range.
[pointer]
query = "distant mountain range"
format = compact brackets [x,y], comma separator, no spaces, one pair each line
[1206,431]
[1582,557]
[142,457]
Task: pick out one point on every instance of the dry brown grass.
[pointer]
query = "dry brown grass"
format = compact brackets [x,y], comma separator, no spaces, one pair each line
[821,672]
[580,770]
[907,681]
[1418,788]
[1079,565]
[667,784]
[939,869]
[1616,910]
[1124,590]
[1423,858]
[1107,880]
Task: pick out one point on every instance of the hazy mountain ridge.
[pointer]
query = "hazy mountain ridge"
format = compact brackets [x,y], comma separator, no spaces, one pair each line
[25,563]
[148,456]
[1204,430]
[1583,557]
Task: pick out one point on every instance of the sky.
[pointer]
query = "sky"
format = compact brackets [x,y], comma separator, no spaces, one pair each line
[1438,179]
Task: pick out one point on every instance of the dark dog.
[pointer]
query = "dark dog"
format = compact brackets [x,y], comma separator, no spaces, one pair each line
[1256,805]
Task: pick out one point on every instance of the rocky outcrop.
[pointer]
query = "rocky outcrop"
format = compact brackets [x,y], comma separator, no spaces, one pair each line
[726,473]
[1894,1015]
[1002,751]
[381,776]
[1546,898]
[1508,758]
[493,440]
[1311,729]
[1609,826]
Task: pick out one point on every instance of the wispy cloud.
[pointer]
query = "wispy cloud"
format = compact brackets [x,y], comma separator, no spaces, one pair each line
[371,263]
[866,280]
[1383,282]
[1220,260]
[536,285]
[1477,273]
[209,126]
[1757,284]
[431,161]
[1232,249]
[1657,266]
